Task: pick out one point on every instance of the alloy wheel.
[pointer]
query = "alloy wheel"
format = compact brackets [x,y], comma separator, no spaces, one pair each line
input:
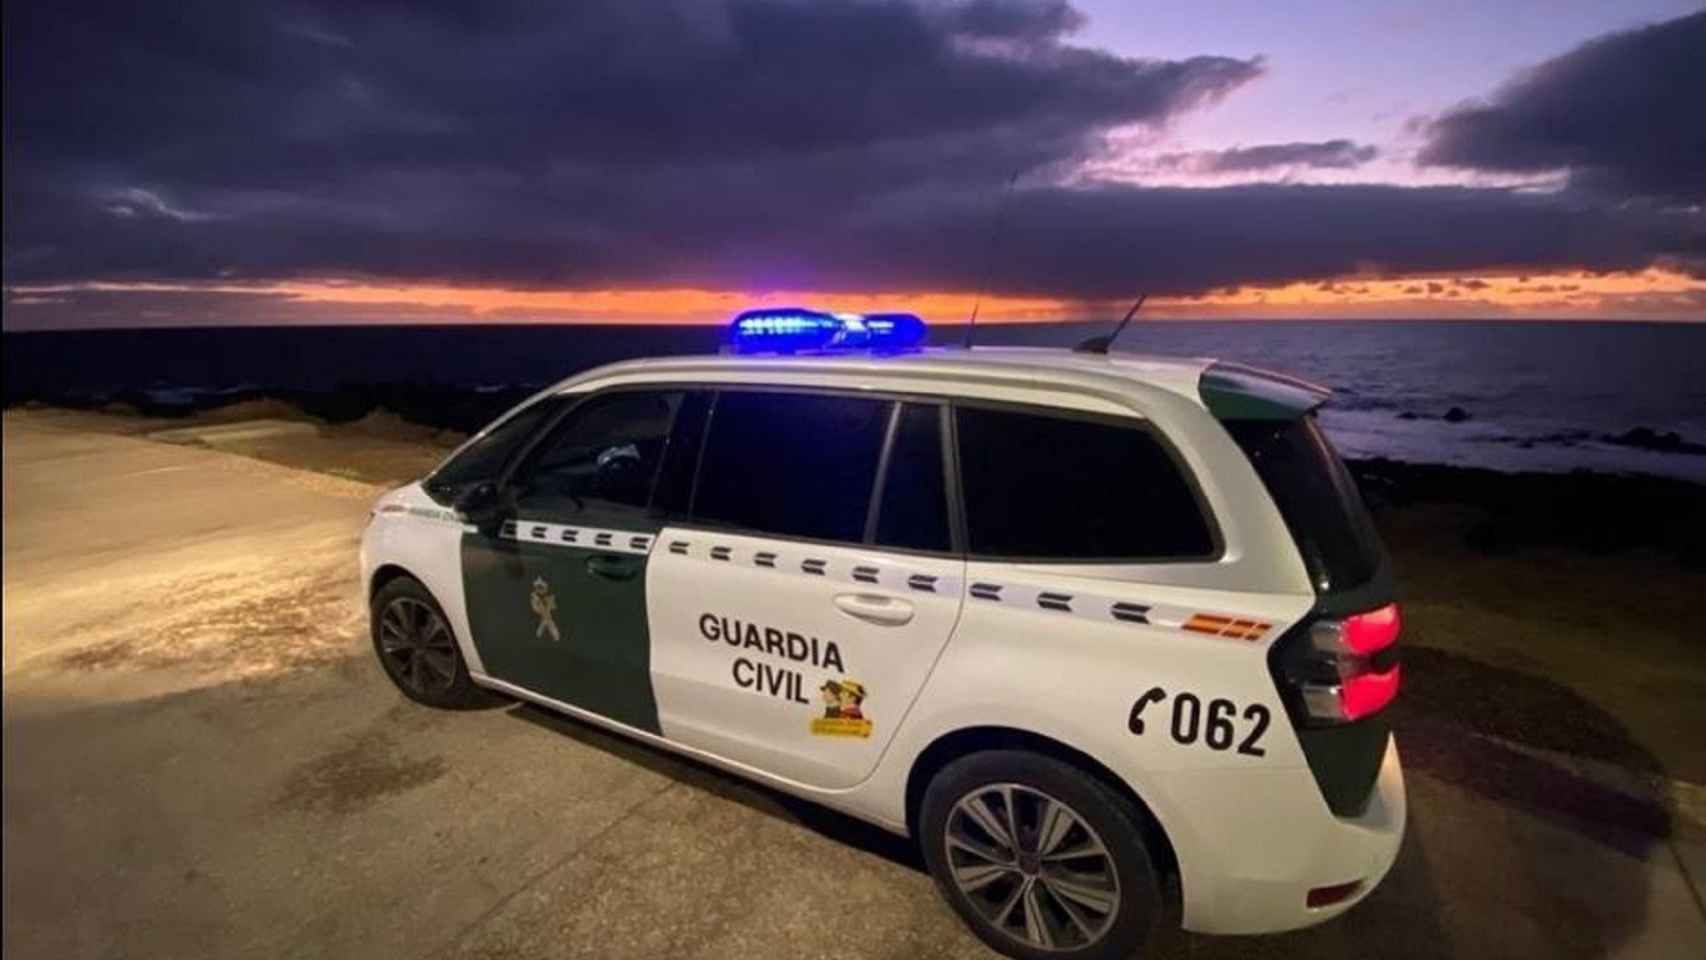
[418,646]
[1032,867]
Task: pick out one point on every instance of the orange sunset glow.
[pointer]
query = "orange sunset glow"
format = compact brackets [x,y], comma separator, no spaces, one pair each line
[1651,294]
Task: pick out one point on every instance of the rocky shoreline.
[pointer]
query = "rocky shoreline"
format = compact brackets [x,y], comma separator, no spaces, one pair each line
[1583,510]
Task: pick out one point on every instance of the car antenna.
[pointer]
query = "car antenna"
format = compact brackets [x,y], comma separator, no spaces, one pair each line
[989,255]
[1102,343]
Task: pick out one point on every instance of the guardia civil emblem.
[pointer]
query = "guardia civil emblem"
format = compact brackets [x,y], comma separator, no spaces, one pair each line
[544,605]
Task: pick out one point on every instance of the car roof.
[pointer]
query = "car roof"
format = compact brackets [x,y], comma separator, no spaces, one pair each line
[934,369]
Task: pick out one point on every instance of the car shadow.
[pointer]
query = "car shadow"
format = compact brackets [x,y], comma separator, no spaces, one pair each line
[1503,849]
[1496,731]
[702,776]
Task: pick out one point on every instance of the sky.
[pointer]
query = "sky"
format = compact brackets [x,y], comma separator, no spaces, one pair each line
[209,162]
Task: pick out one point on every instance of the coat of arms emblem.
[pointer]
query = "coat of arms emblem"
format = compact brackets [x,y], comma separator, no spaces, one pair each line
[544,605]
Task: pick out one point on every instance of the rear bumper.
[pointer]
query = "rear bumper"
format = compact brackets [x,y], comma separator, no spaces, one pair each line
[1252,851]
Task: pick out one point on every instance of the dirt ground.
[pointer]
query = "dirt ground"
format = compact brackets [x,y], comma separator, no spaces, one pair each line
[202,760]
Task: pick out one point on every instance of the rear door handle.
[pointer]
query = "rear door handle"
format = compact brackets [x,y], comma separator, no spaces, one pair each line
[612,568]
[875,608]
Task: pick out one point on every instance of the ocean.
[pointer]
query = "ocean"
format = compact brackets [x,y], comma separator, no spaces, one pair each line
[1614,397]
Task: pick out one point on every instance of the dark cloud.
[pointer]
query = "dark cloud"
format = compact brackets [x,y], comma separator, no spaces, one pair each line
[274,95]
[1325,155]
[739,145]
[1014,19]
[1624,114]
[518,141]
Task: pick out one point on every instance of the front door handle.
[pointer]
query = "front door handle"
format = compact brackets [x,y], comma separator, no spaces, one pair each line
[612,568]
[875,608]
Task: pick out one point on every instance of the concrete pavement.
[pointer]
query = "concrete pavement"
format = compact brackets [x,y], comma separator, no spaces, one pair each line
[202,760]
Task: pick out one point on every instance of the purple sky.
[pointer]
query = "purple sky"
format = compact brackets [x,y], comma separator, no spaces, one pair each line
[607,158]
[1342,69]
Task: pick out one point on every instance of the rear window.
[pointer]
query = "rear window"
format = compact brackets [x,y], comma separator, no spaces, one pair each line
[791,464]
[1074,487]
[1317,497]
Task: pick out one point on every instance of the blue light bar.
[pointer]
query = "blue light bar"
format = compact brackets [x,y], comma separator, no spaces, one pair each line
[782,330]
[895,331]
[792,329]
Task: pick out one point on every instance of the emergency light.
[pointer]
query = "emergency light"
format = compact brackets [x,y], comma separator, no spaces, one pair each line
[793,329]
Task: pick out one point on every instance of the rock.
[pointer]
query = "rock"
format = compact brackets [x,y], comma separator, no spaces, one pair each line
[1456,415]
[1646,438]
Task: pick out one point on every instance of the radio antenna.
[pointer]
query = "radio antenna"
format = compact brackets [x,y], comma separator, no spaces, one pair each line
[1101,344]
[989,255]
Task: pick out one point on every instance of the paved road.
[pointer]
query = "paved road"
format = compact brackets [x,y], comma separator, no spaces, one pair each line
[201,760]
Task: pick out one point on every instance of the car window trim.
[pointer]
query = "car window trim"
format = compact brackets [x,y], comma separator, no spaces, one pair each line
[880,482]
[1217,542]
[699,458]
[956,544]
[959,539]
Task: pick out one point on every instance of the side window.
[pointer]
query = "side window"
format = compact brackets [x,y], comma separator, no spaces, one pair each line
[603,455]
[791,464]
[1064,487]
[484,459]
[913,512]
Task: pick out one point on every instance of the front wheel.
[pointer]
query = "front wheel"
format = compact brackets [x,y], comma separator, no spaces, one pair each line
[1039,858]
[415,646]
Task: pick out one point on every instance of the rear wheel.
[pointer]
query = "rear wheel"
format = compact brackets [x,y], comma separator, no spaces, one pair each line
[414,643]
[1039,858]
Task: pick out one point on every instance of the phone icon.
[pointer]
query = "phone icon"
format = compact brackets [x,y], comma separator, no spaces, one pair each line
[1135,721]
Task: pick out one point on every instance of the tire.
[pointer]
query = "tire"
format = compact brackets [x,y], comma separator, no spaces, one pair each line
[983,788]
[417,649]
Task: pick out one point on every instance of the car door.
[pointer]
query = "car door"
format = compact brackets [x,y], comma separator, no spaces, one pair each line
[798,607]
[556,591]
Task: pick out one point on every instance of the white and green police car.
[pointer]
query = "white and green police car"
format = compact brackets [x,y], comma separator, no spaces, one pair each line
[1077,622]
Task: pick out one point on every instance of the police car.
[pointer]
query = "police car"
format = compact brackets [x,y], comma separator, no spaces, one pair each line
[1079,623]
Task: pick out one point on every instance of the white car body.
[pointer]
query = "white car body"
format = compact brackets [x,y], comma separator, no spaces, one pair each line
[1250,831]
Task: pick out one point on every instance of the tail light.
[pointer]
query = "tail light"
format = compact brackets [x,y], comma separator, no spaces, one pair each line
[1346,668]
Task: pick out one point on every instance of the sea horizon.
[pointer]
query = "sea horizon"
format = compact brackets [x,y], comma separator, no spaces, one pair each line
[1610,395]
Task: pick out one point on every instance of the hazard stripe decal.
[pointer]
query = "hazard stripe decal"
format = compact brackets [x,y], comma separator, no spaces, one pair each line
[1053,601]
[1235,627]
[586,538]
[1115,610]
[864,571]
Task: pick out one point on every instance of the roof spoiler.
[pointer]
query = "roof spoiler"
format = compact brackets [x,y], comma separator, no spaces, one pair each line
[1233,391]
